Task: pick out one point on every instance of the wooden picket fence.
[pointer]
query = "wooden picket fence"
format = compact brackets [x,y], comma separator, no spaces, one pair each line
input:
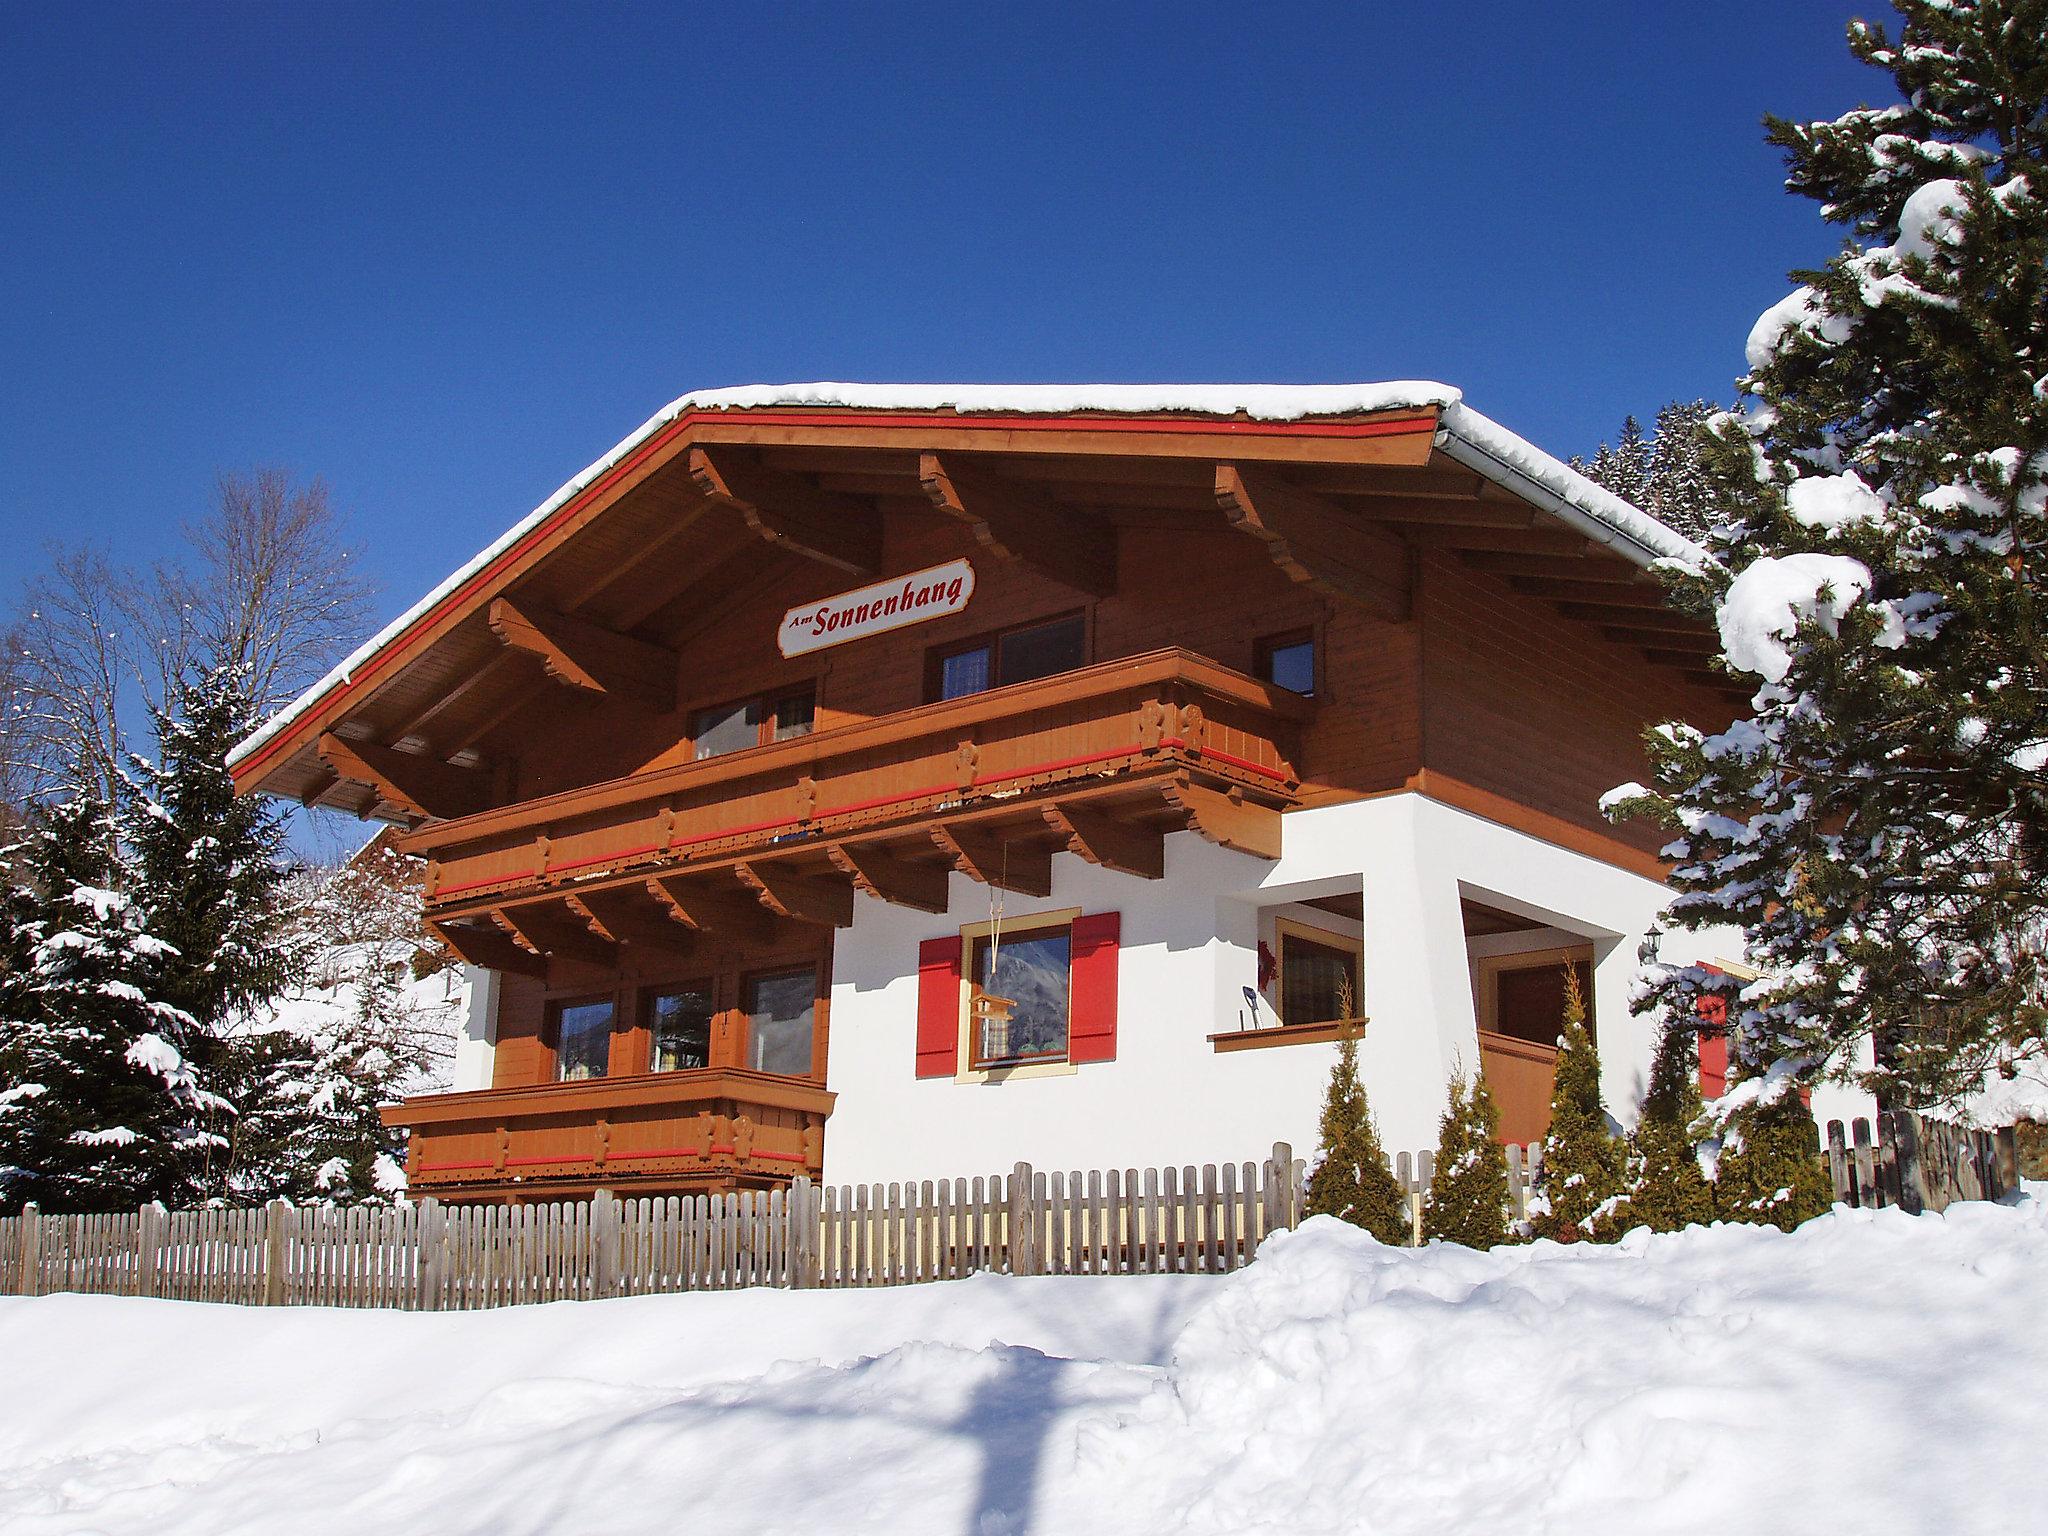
[1919,1164]
[431,1257]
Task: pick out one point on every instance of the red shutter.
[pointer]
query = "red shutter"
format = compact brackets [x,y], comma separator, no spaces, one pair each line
[1713,1015]
[1091,1032]
[938,1006]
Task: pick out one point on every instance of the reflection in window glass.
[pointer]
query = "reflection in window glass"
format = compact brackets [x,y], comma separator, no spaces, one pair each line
[1042,651]
[583,1040]
[728,728]
[1314,980]
[778,1009]
[680,1022]
[793,716]
[1293,666]
[964,672]
[1032,969]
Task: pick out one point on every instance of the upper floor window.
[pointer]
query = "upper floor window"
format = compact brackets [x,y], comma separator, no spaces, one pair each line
[1289,661]
[752,722]
[1013,656]
[583,1040]
[679,1019]
[780,1007]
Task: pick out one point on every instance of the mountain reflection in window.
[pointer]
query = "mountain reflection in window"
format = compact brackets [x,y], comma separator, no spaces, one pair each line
[1033,970]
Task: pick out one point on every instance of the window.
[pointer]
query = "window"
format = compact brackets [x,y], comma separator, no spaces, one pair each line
[752,722]
[1034,970]
[779,1007]
[680,1022]
[583,1040]
[1318,976]
[1289,661]
[1015,656]
[1522,996]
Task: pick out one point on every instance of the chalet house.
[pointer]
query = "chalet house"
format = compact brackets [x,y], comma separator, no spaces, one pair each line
[897,781]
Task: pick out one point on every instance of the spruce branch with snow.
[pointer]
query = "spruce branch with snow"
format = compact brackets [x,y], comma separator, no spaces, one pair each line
[1877,820]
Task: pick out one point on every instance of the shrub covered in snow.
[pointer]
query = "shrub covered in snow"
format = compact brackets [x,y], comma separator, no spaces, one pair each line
[1468,1188]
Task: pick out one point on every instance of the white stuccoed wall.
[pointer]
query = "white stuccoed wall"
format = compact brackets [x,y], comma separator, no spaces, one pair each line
[476,1048]
[1188,954]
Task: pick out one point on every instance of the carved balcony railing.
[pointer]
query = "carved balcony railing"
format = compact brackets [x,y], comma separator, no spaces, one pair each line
[706,1128]
[1101,762]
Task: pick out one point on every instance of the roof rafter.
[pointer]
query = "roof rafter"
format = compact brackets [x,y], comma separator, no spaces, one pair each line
[1314,542]
[1021,523]
[822,525]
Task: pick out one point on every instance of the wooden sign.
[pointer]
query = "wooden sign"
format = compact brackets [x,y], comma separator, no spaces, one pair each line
[931,593]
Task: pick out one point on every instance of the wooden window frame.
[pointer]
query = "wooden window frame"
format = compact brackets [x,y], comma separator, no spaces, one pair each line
[1264,647]
[647,995]
[552,1022]
[1487,971]
[769,699]
[937,655]
[1285,928]
[969,1068]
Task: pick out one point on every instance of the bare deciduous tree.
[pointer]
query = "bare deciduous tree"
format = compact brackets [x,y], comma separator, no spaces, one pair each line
[73,648]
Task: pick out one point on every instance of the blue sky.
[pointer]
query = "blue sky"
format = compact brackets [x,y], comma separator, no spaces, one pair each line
[443,256]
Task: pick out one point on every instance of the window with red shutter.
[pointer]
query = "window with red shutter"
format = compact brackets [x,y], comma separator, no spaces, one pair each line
[1092,1031]
[938,1006]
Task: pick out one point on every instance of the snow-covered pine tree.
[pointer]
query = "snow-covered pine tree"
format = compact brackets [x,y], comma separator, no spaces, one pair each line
[99,1109]
[1667,1189]
[1877,822]
[1665,474]
[1352,1180]
[1468,1187]
[209,872]
[1581,1168]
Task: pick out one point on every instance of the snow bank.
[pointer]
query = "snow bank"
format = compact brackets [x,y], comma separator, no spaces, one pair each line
[1871,1371]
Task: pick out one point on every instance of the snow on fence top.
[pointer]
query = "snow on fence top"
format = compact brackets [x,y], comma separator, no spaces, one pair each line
[1478,443]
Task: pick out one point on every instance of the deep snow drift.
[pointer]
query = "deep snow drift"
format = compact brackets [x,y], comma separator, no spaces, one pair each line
[1872,1371]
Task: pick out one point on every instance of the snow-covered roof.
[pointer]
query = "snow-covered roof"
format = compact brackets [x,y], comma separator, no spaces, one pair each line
[1473,440]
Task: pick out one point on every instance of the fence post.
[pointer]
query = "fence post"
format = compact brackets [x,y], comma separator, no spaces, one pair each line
[432,1224]
[146,1248]
[604,1244]
[800,1242]
[1905,1139]
[277,1250]
[2005,1149]
[1023,1223]
[31,1249]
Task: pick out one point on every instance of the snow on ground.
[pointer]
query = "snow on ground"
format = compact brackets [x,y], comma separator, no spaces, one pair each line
[1871,1371]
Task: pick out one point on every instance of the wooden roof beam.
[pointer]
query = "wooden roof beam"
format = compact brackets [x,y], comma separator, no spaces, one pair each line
[1564,567]
[984,854]
[1593,594]
[580,655]
[491,948]
[889,878]
[424,786]
[707,907]
[1021,523]
[1228,819]
[801,898]
[792,513]
[551,928]
[1098,836]
[632,918]
[1314,542]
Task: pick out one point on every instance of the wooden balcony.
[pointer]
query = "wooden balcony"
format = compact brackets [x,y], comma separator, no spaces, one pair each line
[707,1129]
[1102,762]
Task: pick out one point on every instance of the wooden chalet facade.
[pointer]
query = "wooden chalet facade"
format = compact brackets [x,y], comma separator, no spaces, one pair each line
[727,760]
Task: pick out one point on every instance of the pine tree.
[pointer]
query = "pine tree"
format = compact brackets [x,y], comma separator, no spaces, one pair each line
[98,1105]
[210,874]
[1352,1180]
[1771,1169]
[1468,1187]
[1877,821]
[1667,1189]
[1666,474]
[1581,1169]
